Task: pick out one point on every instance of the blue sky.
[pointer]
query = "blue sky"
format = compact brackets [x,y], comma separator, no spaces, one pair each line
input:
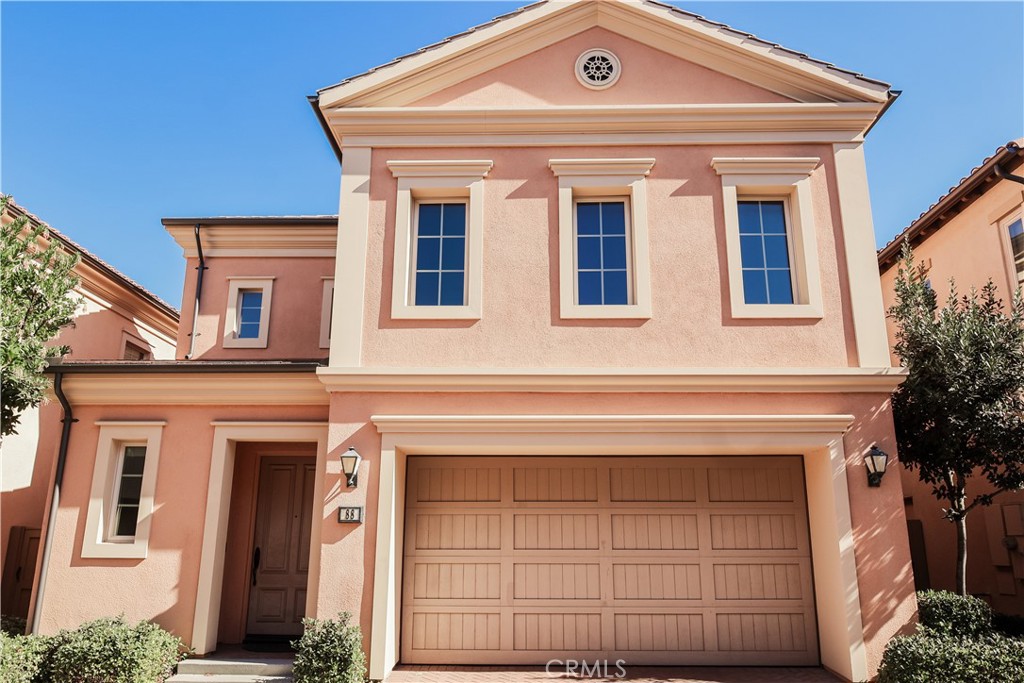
[117,114]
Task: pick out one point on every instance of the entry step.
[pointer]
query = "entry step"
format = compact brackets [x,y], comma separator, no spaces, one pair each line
[227,678]
[233,670]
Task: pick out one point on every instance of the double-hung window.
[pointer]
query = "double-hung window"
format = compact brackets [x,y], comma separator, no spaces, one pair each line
[439,232]
[603,276]
[771,249]
[120,512]
[440,253]
[604,266]
[247,320]
[127,493]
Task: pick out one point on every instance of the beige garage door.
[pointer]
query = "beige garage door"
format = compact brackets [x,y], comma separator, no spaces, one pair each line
[651,560]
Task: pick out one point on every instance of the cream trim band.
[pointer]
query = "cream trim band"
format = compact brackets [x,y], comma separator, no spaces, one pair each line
[620,380]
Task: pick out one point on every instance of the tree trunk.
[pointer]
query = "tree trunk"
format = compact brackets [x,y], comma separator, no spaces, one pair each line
[961,554]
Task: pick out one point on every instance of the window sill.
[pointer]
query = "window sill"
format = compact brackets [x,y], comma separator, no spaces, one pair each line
[402,312]
[136,550]
[630,312]
[230,343]
[776,311]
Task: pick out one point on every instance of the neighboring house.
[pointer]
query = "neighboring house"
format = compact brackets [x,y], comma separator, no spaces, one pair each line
[601,314]
[117,319]
[973,234]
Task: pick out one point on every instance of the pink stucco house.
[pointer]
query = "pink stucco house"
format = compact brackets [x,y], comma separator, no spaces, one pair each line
[601,315]
[972,234]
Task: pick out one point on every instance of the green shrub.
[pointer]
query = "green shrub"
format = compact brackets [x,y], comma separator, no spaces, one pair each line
[112,651]
[329,651]
[21,658]
[949,614]
[930,658]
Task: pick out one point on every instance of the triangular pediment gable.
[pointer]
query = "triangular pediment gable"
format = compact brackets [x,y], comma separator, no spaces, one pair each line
[788,74]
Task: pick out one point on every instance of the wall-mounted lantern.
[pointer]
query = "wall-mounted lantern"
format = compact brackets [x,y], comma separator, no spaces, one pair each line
[350,466]
[876,461]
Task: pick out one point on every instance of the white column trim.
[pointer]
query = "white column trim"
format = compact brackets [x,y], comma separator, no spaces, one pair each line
[350,259]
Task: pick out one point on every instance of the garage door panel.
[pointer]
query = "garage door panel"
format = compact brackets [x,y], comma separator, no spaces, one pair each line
[662,561]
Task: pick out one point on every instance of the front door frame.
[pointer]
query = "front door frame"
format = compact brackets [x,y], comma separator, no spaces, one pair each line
[818,438]
[215,526]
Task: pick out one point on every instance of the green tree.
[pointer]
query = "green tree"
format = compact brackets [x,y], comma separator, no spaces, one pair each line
[960,414]
[37,278]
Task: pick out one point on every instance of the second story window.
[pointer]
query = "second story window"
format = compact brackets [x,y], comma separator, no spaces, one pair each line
[1016,229]
[440,254]
[764,252]
[250,306]
[602,253]
[247,319]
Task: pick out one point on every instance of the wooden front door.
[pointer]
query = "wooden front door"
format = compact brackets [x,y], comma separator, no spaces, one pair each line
[280,559]
[19,571]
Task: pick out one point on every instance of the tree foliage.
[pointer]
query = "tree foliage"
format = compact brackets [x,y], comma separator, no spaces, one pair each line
[960,413]
[37,277]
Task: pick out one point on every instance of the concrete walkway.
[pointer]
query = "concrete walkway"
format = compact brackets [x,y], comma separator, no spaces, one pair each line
[634,674]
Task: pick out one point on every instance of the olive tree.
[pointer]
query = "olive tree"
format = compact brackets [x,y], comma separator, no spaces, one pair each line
[37,279]
[960,413]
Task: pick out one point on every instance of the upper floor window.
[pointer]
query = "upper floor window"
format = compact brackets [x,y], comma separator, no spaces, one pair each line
[764,252]
[1016,230]
[439,225]
[770,242]
[247,320]
[440,254]
[133,348]
[603,262]
[603,275]
[326,312]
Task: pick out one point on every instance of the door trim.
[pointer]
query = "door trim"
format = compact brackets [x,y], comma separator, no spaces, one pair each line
[215,526]
[818,438]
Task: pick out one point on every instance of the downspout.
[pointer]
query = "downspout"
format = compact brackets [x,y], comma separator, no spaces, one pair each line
[314,101]
[62,455]
[199,293]
[1012,148]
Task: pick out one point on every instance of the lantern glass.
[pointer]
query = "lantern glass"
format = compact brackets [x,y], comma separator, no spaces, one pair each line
[350,465]
[876,461]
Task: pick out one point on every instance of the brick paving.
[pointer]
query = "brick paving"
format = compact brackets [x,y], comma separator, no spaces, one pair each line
[635,674]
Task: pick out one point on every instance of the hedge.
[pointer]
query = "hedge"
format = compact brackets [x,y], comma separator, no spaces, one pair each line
[329,651]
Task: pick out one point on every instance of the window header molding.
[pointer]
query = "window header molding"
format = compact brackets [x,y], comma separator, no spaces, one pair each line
[601,167]
[440,169]
[765,165]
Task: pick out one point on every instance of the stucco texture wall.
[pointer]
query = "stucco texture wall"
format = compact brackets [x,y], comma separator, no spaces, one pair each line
[691,324]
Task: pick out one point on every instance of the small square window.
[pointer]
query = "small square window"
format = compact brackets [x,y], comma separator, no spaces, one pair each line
[440,254]
[602,253]
[247,320]
[134,352]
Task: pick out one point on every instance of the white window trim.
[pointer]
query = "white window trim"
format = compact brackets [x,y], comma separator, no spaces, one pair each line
[607,179]
[773,178]
[113,437]
[326,308]
[235,287]
[438,180]
[1002,218]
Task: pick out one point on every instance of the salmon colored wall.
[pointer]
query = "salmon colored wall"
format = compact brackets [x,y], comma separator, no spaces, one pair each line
[967,248]
[294,312]
[649,76]
[880,535]
[241,528]
[690,326]
[161,587]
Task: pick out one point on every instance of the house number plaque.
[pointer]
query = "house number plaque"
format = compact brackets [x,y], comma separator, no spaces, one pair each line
[350,515]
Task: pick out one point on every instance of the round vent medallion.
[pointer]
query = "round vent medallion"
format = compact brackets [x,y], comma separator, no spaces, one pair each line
[598,69]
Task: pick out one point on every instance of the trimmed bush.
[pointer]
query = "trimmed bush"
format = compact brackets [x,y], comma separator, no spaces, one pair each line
[112,651]
[329,651]
[929,658]
[21,658]
[949,614]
